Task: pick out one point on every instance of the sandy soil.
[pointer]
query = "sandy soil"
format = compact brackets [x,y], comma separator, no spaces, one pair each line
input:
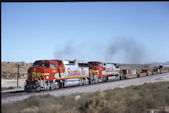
[12,82]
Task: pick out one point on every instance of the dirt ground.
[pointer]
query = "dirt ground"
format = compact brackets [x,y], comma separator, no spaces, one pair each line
[12,82]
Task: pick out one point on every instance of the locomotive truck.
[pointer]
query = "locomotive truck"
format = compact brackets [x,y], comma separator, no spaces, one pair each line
[52,74]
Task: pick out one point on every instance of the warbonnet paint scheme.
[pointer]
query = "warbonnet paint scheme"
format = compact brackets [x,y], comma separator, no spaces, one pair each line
[52,74]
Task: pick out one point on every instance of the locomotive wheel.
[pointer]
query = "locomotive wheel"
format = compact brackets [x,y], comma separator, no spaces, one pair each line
[106,79]
[96,79]
[27,89]
[120,78]
[84,81]
[146,74]
[138,75]
[61,84]
[38,89]
[91,81]
[81,82]
[100,79]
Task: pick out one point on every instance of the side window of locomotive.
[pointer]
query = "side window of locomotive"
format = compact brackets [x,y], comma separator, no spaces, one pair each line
[44,64]
[36,63]
[95,64]
[59,63]
[83,65]
[101,65]
[53,66]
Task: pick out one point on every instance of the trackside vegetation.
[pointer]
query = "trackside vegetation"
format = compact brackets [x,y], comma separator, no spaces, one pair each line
[133,99]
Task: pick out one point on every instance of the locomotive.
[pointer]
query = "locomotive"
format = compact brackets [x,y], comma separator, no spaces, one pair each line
[52,74]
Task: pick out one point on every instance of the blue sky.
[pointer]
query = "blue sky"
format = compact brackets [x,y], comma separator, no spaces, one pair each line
[85,31]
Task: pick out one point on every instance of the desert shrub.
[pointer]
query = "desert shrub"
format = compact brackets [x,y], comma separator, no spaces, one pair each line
[136,107]
[152,96]
[133,99]
[96,105]
[10,75]
[34,104]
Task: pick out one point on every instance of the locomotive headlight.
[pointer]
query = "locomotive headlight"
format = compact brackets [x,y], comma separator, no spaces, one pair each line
[47,77]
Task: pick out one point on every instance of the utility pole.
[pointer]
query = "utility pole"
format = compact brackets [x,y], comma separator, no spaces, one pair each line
[17,77]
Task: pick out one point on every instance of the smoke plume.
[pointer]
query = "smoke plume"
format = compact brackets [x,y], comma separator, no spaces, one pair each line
[65,53]
[133,52]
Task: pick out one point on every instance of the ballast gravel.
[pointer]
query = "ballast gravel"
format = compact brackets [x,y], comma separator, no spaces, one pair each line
[88,88]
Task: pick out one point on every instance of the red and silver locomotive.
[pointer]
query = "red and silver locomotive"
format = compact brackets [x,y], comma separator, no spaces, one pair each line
[52,74]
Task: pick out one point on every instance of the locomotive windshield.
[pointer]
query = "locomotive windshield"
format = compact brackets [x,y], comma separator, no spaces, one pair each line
[41,64]
[94,64]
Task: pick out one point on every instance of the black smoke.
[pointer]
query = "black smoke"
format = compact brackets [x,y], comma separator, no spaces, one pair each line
[134,52]
[66,53]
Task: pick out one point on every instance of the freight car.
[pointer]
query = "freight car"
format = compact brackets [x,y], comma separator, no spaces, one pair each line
[52,74]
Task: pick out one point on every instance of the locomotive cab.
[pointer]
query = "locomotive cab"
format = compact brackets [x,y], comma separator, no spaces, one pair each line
[95,71]
[38,70]
[96,68]
[42,74]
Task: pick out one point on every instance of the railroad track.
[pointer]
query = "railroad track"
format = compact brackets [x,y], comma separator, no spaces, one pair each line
[13,92]
[15,96]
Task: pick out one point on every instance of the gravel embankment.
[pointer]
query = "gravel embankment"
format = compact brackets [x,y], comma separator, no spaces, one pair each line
[90,88]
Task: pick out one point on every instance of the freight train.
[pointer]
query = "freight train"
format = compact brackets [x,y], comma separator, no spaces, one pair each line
[53,74]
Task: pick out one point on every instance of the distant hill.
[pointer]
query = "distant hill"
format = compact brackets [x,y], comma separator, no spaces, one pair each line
[163,63]
[10,67]
[166,63]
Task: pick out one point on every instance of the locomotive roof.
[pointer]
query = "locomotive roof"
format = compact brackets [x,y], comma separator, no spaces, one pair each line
[95,62]
[47,60]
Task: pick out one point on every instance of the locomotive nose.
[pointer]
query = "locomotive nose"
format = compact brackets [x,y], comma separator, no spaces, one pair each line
[35,73]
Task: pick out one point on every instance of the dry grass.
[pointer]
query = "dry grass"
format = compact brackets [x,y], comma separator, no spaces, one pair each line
[133,99]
